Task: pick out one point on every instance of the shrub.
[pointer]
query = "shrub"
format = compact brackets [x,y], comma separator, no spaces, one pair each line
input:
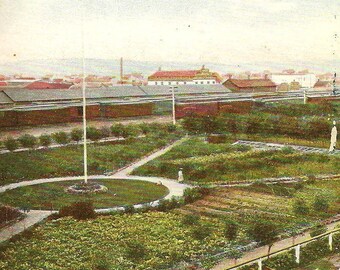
[130,132]
[230,230]
[61,137]
[193,194]
[129,209]
[201,232]
[11,144]
[105,132]
[45,140]
[93,133]
[317,230]
[76,134]
[320,203]
[300,207]
[28,141]
[190,219]
[8,213]
[135,251]
[117,130]
[79,210]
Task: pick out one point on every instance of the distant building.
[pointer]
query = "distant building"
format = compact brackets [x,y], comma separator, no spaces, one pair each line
[323,85]
[252,85]
[133,79]
[305,79]
[48,85]
[178,77]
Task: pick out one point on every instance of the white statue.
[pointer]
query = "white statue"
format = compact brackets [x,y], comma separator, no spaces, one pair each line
[180,175]
[334,134]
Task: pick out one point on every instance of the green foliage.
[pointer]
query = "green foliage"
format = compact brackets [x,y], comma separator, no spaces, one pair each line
[61,137]
[11,144]
[94,134]
[264,232]
[300,207]
[129,209]
[317,230]
[105,132]
[8,213]
[28,141]
[201,231]
[320,203]
[79,211]
[117,130]
[230,230]
[76,134]
[45,140]
[191,219]
[135,251]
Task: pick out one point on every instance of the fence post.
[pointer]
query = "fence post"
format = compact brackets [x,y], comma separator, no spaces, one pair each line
[330,241]
[297,254]
[260,264]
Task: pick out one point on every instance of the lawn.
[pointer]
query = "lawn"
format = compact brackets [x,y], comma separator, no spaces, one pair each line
[68,161]
[53,195]
[205,163]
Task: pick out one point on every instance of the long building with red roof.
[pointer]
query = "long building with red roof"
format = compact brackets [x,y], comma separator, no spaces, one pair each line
[250,85]
[178,77]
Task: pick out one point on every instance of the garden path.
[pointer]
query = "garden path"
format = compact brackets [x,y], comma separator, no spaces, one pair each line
[263,250]
[35,216]
[277,146]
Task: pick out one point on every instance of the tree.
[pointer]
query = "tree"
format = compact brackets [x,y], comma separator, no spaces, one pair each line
[320,203]
[209,124]
[105,132]
[28,141]
[300,207]
[235,254]
[201,232]
[117,130]
[135,251]
[76,135]
[230,230]
[193,124]
[191,219]
[61,137]
[264,232]
[11,144]
[45,140]
[93,133]
[129,132]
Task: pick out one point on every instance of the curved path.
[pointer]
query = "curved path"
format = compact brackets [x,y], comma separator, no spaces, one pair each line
[34,216]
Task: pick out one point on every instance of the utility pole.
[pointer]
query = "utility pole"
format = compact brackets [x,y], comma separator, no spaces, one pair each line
[121,70]
[173,104]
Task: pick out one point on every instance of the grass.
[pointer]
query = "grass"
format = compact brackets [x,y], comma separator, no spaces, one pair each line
[320,265]
[205,163]
[53,195]
[68,161]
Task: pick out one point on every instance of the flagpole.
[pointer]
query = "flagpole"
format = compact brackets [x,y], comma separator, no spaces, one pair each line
[84,97]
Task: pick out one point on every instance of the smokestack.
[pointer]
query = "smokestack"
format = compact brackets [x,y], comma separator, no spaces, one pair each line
[121,70]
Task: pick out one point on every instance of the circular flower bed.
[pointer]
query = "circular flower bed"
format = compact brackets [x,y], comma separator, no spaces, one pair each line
[86,188]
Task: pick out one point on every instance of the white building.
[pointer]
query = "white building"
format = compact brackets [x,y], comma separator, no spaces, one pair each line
[180,77]
[305,80]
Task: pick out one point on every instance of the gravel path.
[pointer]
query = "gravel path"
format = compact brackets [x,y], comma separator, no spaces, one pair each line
[277,146]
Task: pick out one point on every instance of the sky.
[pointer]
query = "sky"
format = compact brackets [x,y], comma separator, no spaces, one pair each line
[197,31]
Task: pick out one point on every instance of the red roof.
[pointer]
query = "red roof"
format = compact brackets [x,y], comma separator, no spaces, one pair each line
[2,83]
[175,73]
[252,83]
[47,85]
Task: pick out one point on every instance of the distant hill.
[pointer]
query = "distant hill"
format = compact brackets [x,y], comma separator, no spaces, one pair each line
[111,66]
